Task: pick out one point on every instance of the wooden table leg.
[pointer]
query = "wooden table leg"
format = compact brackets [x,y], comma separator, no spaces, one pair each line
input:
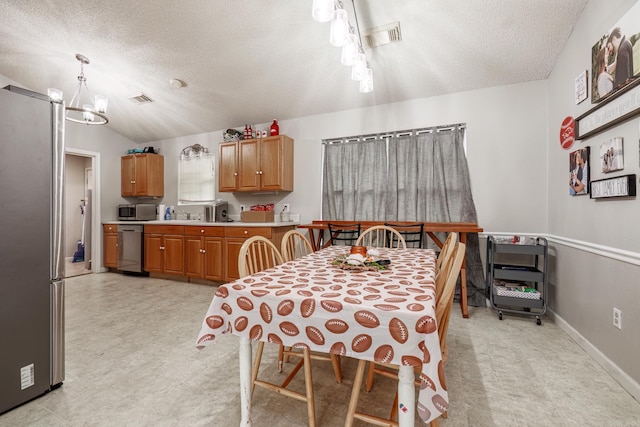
[406,396]
[463,281]
[245,381]
[312,240]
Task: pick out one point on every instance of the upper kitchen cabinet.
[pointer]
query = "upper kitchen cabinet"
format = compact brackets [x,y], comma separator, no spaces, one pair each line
[142,175]
[264,164]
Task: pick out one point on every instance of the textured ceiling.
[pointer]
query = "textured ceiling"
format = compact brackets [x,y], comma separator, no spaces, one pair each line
[249,61]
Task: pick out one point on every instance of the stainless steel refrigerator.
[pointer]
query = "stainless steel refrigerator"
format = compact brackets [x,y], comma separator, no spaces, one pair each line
[31,244]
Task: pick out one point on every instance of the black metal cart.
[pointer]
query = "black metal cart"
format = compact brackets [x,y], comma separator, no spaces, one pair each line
[517,275]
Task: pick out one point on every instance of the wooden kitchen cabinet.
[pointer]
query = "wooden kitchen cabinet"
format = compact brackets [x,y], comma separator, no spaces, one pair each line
[263,164]
[204,252]
[228,166]
[110,241]
[236,236]
[164,249]
[142,175]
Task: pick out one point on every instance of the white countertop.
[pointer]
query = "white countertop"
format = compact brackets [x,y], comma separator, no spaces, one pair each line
[207,224]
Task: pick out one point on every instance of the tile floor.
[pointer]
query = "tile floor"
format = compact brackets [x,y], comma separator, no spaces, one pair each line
[132,361]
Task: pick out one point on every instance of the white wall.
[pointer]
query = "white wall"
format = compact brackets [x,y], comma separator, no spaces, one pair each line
[595,266]
[506,151]
[74,193]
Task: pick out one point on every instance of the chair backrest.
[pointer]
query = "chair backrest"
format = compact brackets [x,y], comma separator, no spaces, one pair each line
[447,247]
[343,234]
[412,233]
[256,254]
[294,245]
[450,272]
[381,236]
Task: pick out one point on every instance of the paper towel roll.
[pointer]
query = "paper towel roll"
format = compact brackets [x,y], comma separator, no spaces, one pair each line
[161,210]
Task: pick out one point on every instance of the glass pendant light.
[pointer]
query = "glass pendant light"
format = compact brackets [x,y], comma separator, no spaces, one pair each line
[366,84]
[350,50]
[339,35]
[322,10]
[359,69]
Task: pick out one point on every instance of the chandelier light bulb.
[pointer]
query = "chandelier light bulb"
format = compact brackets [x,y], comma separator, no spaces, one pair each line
[101,103]
[322,10]
[350,51]
[339,35]
[359,69]
[366,84]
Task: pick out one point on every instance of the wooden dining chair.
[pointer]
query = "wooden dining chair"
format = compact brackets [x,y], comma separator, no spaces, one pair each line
[413,233]
[343,234]
[451,271]
[257,254]
[447,247]
[381,236]
[294,245]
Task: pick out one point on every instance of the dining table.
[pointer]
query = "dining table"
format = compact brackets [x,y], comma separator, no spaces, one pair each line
[319,239]
[379,313]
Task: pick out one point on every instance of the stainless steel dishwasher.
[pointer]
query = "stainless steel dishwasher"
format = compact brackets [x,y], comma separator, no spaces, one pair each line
[130,249]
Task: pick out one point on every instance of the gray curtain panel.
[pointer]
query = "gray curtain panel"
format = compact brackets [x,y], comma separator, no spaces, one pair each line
[411,177]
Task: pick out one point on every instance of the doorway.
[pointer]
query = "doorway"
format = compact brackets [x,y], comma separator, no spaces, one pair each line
[82,219]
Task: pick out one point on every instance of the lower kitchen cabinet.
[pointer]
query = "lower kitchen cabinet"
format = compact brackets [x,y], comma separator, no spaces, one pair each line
[110,246]
[204,252]
[164,249]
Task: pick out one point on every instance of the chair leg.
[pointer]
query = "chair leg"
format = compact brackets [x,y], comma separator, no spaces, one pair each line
[308,383]
[370,372]
[280,357]
[394,408]
[355,393]
[256,365]
[337,370]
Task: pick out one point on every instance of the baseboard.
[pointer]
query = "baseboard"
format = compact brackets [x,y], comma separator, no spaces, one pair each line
[628,383]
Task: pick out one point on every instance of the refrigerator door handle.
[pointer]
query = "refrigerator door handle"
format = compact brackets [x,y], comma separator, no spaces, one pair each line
[57,333]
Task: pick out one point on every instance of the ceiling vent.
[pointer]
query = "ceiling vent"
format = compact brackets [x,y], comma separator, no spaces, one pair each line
[379,36]
[141,99]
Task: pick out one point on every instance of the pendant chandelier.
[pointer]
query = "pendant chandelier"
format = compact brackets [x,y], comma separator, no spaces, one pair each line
[344,35]
[84,108]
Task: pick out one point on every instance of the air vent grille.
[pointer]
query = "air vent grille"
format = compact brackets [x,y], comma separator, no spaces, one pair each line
[141,99]
[379,36]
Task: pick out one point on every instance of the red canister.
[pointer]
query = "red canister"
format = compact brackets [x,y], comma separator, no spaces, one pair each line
[274,129]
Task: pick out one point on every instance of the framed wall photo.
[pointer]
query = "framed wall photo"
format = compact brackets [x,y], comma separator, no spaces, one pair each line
[612,155]
[612,57]
[579,172]
[582,87]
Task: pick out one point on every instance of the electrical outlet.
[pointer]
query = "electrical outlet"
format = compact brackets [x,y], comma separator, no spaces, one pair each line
[617,318]
[286,207]
[241,208]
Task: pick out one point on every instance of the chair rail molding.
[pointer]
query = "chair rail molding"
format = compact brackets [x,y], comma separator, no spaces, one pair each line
[594,248]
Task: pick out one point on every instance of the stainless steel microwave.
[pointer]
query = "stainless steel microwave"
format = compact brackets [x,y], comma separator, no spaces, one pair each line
[137,212]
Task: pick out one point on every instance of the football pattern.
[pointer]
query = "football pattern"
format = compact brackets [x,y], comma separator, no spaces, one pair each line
[387,316]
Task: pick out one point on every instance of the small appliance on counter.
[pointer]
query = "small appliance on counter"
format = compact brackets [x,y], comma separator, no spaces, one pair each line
[216,212]
[137,212]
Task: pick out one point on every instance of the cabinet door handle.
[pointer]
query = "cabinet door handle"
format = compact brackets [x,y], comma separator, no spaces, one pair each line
[202,231]
[162,248]
[204,252]
[257,172]
[246,232]
[235,174]
[260,172]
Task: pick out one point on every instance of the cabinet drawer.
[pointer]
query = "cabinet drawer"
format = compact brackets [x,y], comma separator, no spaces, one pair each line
[164,229]
[207,231]
[247,232]
[110,228]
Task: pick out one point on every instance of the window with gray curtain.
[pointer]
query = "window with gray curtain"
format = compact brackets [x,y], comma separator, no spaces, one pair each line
[417,175]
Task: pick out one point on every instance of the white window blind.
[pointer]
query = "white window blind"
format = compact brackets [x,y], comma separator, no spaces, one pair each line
[196,180]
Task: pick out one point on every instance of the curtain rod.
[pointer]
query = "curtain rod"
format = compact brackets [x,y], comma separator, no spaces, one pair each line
[374,136]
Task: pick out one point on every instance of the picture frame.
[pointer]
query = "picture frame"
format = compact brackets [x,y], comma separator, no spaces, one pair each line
[617,108]
[612,57]
[582,87]
[619,186]
[579,172]
[612,155]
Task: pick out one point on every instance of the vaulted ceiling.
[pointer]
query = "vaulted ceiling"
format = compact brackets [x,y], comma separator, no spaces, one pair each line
[249,61]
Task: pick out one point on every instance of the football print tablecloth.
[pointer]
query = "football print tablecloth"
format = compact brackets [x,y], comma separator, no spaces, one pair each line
[386,315]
